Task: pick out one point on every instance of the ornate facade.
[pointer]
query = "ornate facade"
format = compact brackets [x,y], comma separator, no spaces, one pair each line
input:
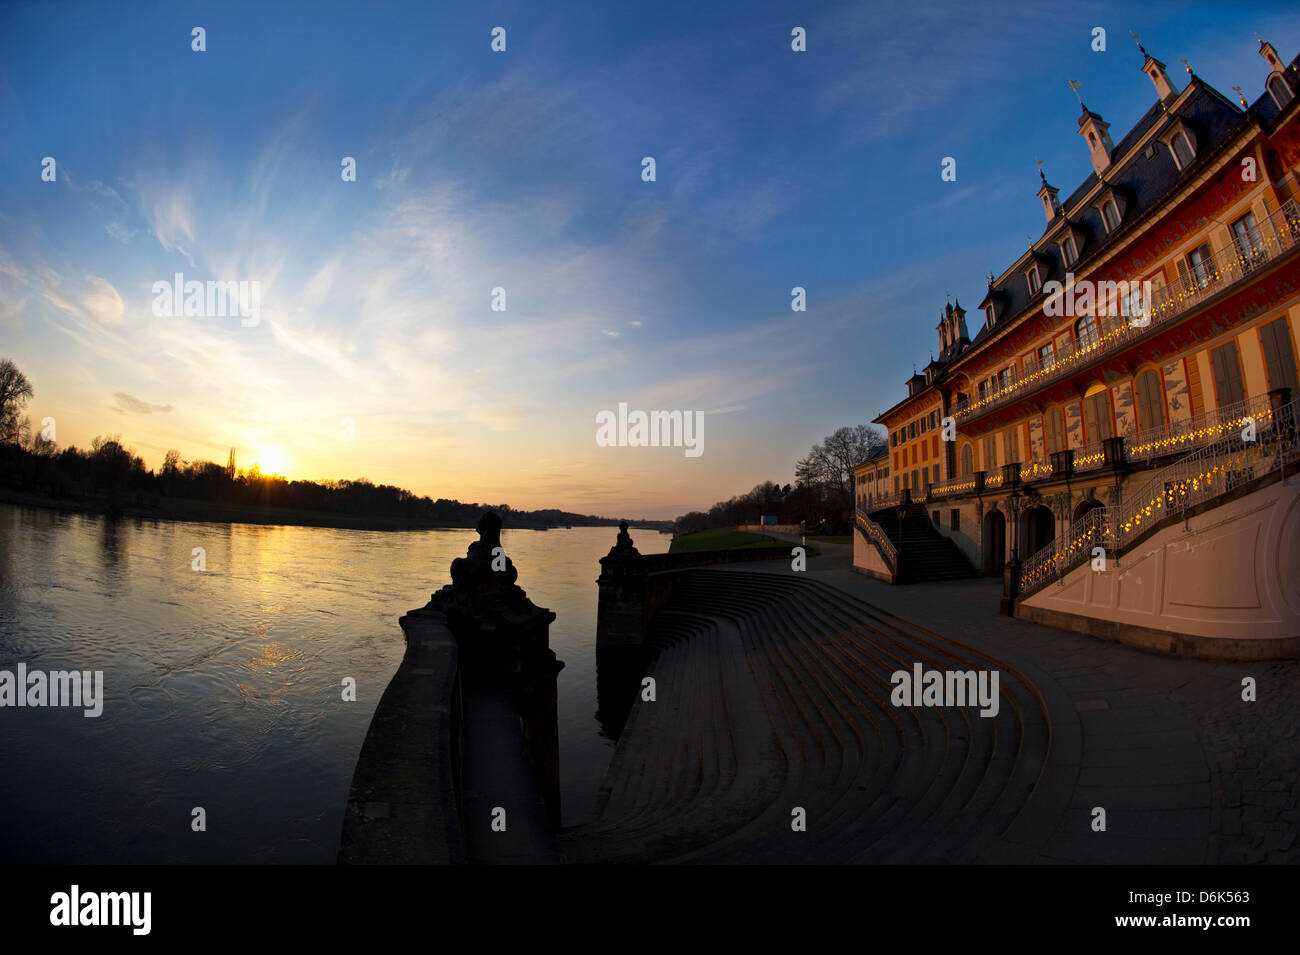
[1156,315]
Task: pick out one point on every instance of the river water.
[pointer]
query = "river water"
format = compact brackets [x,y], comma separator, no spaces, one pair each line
[223,687]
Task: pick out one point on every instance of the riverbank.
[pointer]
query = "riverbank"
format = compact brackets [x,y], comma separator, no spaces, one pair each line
[185,509]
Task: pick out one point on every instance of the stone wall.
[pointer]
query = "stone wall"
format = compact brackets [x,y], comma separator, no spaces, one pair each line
[404,804]
[1227,585]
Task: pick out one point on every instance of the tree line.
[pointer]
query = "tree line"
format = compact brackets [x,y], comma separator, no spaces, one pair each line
[113,475]
[820,498]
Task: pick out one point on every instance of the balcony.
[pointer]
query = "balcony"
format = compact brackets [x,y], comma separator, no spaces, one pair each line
[1219,465]
[1142,448]
[1273,238]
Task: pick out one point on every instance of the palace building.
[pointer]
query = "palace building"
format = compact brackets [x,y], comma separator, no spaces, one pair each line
[1118,438]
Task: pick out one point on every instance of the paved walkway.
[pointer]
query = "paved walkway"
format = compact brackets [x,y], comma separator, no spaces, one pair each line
[1186,770]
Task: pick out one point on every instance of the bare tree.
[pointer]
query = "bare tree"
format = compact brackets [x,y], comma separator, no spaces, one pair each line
[15,391]
[829,465]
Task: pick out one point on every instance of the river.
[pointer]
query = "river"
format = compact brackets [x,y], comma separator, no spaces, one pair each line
[223,686]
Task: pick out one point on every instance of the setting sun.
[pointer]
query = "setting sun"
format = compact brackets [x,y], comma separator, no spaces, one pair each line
[272,460]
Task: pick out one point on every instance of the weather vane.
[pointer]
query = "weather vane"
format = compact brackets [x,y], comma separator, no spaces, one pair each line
[1188,66]
[1240,95]
[1074,85]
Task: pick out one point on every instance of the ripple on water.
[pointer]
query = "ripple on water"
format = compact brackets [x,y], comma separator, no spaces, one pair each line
[152,702]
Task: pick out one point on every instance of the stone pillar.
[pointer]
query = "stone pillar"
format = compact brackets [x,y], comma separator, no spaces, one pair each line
[503,642]
[621,609]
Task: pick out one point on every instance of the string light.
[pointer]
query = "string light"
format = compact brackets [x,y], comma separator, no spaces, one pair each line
[1175,301]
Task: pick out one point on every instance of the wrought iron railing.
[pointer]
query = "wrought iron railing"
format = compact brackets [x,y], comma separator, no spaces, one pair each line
[1276,235]
[876,534]
[1176,436]
[1203,474]
[1077,544]
[881,501]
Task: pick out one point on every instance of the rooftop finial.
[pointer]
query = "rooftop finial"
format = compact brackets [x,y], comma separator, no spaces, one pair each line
[1241,97]
[1187,66]
[1138,40]
[1074,85]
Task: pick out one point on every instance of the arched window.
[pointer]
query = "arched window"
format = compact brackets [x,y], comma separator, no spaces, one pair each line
[967,461]
[1085,329]
[1150,400]
[1097,416]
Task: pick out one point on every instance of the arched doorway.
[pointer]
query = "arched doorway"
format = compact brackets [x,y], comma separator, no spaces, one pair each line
[994,540]
[1086,505]
[1037,530]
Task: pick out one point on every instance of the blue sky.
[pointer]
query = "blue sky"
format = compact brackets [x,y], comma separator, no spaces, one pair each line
[522,170]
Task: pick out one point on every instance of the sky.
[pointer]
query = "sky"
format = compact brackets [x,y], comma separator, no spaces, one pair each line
[377,353]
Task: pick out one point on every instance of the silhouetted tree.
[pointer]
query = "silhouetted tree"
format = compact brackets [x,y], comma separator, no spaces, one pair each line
[15,391]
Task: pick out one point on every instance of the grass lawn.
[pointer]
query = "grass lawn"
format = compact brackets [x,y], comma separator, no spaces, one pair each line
[721,539]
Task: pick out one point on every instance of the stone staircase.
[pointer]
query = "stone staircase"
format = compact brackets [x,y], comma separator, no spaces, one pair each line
[773,693]
[923,553]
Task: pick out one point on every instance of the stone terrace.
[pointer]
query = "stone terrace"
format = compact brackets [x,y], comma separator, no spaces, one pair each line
[773,693]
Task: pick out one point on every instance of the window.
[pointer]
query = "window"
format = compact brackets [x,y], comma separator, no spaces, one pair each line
[1150,400]
[988,315]
[1004,378]
[1227,374]
[916,481]
[1046,358]
[1246,233]
[990,454]
[934,516]
[934,474]
[1279,356]
[967,461]
[1086,331]
[922,426]
[1280,92]
[1181,147]
[1035,283]
[895,483]
[984,390]
[1096,414]
[1110,215]
[956,519]
[1054,428]
[934,419]
[1134,305]
[1069,252]
[1200,266]
[1011,445]
[911,430]
[893,439]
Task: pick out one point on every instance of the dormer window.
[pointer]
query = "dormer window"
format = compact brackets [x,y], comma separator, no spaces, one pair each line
[1278,89]
[1069,251]
[1110,215]
[988,315]
[1035,283]
[1181,147]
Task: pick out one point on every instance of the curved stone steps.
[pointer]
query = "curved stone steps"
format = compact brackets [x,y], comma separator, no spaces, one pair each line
[731,742]
[995,806]
[860,792]
[773,692]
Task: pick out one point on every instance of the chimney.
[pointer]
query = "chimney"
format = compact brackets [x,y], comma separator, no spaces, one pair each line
[1270,55]
[1047,193]
[1153,68]
[1097,132]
